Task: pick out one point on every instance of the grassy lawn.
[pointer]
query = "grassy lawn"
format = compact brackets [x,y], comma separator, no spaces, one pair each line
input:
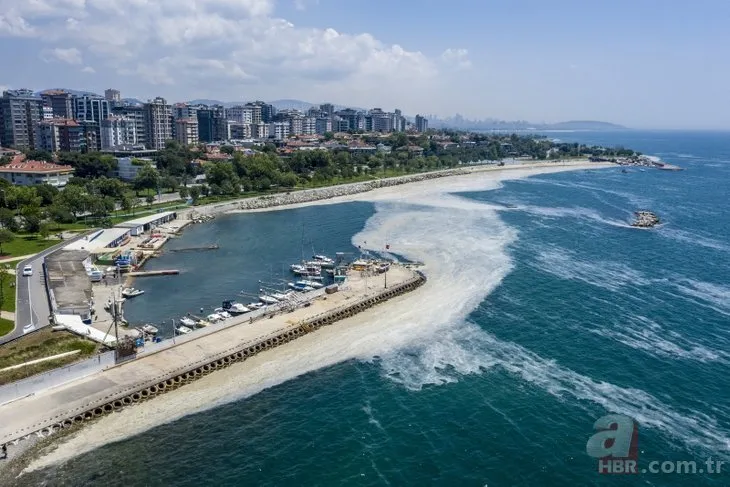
[26,245]
[44,343]
[8,290]
[6,326]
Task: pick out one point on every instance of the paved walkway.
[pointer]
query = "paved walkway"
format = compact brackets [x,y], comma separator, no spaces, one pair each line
[8,315]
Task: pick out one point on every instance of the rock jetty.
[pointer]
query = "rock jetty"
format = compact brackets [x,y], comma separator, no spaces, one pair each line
[645,219]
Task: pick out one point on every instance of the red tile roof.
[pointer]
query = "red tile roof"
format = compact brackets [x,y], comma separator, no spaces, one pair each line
[19,164]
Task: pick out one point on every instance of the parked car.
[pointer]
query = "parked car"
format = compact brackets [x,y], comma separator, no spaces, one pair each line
[28,270]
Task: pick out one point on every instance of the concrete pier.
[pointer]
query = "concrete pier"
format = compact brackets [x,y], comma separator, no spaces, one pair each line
[156,372]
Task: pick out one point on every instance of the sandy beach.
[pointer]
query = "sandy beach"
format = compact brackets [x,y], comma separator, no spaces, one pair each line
[459,279]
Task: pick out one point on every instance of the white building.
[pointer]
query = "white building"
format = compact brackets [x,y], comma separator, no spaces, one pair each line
[116,131]
[158,121]
[128,167]
[240,114]
[260,130]
[309,126]
[279,130]
[30,173]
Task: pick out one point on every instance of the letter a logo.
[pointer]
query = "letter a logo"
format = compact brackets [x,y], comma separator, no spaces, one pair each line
[616,438]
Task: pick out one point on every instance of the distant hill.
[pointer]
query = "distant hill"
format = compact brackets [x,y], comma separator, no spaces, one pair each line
[585,125]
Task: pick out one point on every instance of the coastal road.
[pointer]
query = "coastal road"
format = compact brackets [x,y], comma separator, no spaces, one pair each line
[31,301]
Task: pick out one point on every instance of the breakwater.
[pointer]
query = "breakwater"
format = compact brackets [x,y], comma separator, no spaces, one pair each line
[309,195]
[147,388]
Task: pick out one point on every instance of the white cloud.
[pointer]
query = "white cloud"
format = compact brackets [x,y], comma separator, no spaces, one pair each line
[221,48]
[457,58]
[304,4]
[88,69]
[69,56]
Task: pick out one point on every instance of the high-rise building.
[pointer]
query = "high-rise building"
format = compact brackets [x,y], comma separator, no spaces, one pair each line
[186,131]
[118,131]
[266,111]
[158,123]
[136,113]
[421,124]
[113,96]
[212,124]
[240,131]
[279,130]
[323,125]
[61,103]
[47,113]
[328,109]
[91,108]
[20,113]
[256,111]
[240,114]
[91,136]
[184,110]
[309,126]
[60,135]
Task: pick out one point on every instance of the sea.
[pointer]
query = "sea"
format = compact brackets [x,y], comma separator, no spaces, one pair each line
[544,312]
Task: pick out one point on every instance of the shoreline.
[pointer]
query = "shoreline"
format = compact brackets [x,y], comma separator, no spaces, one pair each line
[340,192]
[514,171]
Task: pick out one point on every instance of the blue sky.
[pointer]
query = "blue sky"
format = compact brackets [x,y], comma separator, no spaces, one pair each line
[641,63]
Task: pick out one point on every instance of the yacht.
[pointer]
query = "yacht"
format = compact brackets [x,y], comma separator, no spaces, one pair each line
[323,258]
[214,317]
[297,286]
[266,299]
[234,308]
[130,292]
[312,284]
[183,330]
[186,321]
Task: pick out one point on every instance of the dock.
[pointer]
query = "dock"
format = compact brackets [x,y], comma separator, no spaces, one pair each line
[199,248]
[167,366]
[169,272]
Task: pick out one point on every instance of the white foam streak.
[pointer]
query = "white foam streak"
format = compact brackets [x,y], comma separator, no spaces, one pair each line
[714,296]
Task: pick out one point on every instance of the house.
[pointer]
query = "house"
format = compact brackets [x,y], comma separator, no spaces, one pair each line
[23,172]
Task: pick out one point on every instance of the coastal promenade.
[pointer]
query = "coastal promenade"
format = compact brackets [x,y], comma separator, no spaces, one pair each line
[152,373]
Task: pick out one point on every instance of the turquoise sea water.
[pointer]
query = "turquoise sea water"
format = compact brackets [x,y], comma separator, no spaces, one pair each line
[545,311]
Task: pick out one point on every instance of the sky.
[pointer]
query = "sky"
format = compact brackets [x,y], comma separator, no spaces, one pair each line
[639,63]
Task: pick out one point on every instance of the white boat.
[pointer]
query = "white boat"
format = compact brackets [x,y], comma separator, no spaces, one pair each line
[323,259]
[321,263]
[183,330]
[189,322]
[300,287]
[266,299]
[152,330]
[255,306]
[224,315]
[202,323]
[214,317]
[312,284]
[234,308]
[279,296]
[130,292]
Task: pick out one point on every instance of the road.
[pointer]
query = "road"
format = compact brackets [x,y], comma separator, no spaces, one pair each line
[31,302]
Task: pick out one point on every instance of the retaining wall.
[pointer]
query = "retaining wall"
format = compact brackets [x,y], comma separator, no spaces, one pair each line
[154,386]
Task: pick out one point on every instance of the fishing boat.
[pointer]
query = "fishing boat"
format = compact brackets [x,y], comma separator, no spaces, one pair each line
[189,322]
[312,284]
[149,329]
[266,299]
[130,292]
[183,330]
[234,308]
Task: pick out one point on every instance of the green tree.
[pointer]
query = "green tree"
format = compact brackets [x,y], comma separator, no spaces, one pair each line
[227,149]
[147,178]
[194,193]
[47,193]
[74,198]
[6,236]
[44,230]
[7,219]
[149,200]
[329,136]
[184,192]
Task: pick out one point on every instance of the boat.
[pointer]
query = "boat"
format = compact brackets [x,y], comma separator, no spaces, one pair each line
[266,299]
[234,308]
[297,268]
[130,292]
[299,287]
[312,284]
[255,306]
[323,258]
[189,322]
[214,317]
[224,315]
[183,330]
[152,330]
[279,296]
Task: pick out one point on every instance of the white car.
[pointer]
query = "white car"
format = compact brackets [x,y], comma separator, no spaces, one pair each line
[28,270]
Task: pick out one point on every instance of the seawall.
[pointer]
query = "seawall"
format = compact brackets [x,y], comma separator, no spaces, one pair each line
[23,423]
